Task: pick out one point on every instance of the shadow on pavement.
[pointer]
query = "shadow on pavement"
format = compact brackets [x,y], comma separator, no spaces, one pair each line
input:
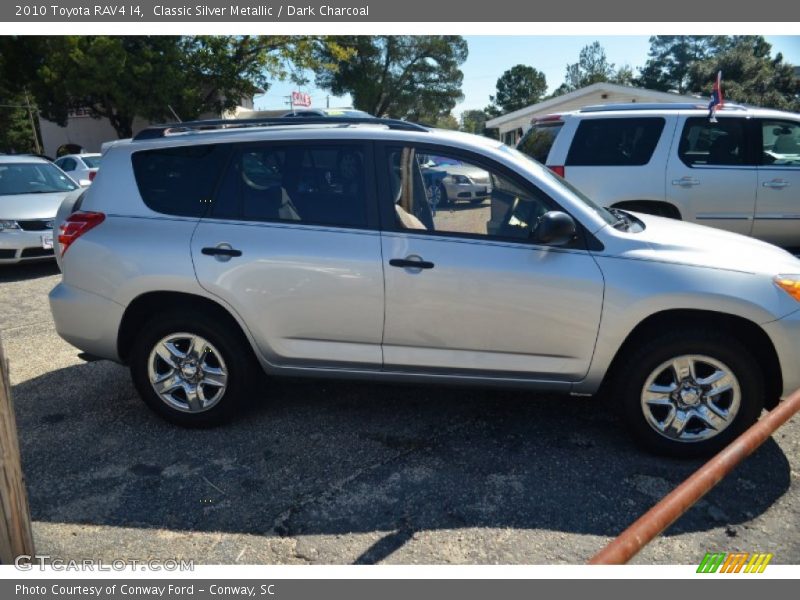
[26,271]
[323,457]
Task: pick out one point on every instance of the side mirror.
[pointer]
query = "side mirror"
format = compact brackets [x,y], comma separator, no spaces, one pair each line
[555,228]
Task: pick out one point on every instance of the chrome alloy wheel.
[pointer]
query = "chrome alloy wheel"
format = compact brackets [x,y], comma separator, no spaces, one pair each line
[187,372]
[434,196]
[691,398]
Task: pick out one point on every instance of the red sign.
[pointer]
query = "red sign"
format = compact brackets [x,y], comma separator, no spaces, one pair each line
[301,99]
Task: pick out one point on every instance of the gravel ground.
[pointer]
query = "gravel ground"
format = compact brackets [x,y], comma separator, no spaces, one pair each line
[333,472]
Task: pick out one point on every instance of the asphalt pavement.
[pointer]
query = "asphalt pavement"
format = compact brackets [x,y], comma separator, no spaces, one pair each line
[336,472]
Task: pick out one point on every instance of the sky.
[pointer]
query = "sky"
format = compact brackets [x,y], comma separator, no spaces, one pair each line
[490,56]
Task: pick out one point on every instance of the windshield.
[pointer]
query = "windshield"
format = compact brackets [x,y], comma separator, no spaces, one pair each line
[604,213]
[33,178]
[93,162]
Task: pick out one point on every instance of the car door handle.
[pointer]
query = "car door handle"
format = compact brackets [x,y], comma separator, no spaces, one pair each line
[225,251]
[409,263]
[776,184]
[686,181]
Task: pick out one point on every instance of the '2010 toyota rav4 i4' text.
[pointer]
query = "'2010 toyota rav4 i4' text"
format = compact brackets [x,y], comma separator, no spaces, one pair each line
[204,250]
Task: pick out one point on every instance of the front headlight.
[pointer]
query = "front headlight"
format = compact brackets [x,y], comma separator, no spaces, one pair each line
[10,225]
[789,284]
[461,180]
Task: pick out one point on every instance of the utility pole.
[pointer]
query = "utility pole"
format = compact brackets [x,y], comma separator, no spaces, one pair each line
[36,145]
[15,519]
[327,101]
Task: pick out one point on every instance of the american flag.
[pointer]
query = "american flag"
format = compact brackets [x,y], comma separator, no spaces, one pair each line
[716,98]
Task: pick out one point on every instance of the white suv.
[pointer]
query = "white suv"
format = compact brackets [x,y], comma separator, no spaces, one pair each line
[740,172]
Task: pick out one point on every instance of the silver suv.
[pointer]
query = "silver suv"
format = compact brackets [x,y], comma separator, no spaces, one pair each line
[205,251]
[739,172]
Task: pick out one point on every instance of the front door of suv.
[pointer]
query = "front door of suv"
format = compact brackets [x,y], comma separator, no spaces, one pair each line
[467,293]
[711,174]
[291,243]
[778,205]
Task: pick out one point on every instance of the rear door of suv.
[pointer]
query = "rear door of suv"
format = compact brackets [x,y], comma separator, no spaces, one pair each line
[711,173]
[615,159]
[292,244]
[777,218]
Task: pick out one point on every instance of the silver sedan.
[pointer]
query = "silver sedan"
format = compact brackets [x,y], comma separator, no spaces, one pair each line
[31,190]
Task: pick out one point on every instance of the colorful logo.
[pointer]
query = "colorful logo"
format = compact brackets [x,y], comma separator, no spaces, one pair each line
[744,562]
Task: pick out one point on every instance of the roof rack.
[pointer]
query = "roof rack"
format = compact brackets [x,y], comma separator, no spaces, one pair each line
[658,106]
[159,131]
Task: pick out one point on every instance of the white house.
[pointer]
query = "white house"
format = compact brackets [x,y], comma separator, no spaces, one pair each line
[511,126]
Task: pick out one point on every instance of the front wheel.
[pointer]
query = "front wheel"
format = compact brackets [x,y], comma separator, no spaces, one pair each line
[190,370]
[689,392]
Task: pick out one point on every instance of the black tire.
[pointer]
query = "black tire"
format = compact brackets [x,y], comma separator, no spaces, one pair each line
[235,351]
[444,199]
[632,374]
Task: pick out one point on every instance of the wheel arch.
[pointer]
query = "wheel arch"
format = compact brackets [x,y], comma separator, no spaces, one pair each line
[146,305]
[746,331]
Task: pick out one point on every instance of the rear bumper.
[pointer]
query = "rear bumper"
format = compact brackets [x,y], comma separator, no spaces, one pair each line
[87,321]
[23,246]
[785,336]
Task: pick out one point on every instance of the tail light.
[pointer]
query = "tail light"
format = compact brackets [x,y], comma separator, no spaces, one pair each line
[76,225]
[557,169]
[92,175]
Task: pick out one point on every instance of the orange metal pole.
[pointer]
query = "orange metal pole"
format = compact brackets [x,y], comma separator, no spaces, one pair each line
[669,509]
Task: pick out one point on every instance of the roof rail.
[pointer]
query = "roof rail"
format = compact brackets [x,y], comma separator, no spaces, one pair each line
[658,106]
[159,131]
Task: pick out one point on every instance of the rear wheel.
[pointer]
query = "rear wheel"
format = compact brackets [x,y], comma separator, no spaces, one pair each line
[190,370]
[689,392]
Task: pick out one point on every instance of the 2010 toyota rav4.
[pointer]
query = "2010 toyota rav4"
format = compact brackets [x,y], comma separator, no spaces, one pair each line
[204,250]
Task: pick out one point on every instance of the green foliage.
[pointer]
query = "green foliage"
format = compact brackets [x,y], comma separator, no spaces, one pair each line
[749,75]
[409,76]
[122,77]
[518,87]
[474,121]
[671,58]
[592,67]
[447,121]
[16,135]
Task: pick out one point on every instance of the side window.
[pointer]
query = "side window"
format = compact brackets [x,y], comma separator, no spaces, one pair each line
[68,164]
[704,142]
[615,142]
[780,143]
[179,180]
[316,184]
[539,140]
[443,193]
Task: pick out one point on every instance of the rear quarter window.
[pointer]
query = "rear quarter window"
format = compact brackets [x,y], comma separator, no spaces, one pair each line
[615,142]
[539,140]
[180,180]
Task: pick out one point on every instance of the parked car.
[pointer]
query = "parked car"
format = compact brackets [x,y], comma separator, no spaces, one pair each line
[449,180]
[739,172]
[31,190]
[81,167]
[203,254]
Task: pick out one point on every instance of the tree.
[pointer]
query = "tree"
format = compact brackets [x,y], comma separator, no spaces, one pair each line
[671,58]
[16,133]
[518,87]
[592,67]
[447,121]
[750,75]
[123,77]
[474,121]
[410,76]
